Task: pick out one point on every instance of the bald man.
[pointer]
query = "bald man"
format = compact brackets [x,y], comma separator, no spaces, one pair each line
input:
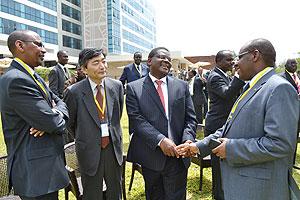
[33,120]
[258,139]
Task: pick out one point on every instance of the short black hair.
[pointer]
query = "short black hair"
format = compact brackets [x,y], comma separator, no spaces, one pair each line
[136,53]
[154,51]
[14,36]
[265,48]
[221,54]
[60,52]
[87,54]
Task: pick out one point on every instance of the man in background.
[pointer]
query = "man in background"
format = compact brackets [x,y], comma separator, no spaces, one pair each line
[135,70]
[59,76]
[196,90]
[161,112]
[222,92]
[291,76]
[95,105]
[33,120]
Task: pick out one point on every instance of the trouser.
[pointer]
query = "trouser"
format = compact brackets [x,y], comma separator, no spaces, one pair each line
[50,196]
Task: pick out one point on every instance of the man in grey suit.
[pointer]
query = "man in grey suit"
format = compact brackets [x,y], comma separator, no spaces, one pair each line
[59,75]
[161,112]
[33,120]
[95,105]
[222,92]
[258,139]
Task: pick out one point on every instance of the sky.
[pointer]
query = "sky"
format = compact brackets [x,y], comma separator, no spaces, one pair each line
[203,27]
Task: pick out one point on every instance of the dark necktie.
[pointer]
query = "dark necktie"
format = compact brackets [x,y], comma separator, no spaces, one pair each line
[160,93]
[99,98]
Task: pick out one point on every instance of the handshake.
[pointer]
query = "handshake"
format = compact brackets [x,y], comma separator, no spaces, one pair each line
[189,149]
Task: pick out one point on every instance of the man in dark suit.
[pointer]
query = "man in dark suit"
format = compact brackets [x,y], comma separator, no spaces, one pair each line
[135,70]
[290,73]
[196,85]
[222,92]
[291,76]
[33,120]
[95,105]
[59,75]
[161,112]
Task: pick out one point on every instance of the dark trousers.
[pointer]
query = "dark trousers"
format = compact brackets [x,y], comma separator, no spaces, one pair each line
[110,170]
[217,189]
[199,113]
[50,196]
[168,184]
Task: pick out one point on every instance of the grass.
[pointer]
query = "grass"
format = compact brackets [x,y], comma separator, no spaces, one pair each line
[137,191]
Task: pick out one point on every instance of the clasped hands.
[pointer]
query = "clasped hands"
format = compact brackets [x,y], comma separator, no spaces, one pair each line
[169,148]
[189,149]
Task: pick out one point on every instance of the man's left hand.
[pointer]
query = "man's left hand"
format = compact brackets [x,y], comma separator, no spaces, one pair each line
[220,150]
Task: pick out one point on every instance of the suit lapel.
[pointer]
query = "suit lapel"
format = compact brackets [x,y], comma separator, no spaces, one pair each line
[227,80]
[250,95]
[291,80]
[110,98]
[151,90]
[135,70]
[46,97]
[171,94]
[89,102]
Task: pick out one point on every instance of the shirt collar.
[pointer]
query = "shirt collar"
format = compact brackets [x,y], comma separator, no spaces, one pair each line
[61,66]
[164,79]
[93,84]
[222,71]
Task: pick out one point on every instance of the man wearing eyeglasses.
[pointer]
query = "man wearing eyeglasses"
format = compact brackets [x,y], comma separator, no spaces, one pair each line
[95,105]
[258,139]
[161,112]
[223,90]
[33,120]
[59,75]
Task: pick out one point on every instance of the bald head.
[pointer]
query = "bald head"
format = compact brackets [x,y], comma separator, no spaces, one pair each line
[265,48]
[22,35]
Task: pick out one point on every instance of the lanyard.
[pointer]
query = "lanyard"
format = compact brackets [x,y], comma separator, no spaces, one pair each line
[259,75]
[26,67]
[101,108]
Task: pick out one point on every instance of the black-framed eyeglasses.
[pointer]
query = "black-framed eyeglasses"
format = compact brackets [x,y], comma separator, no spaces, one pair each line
[246,52]
[39,44]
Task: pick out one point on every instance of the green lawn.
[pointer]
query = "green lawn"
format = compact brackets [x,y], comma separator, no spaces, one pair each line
[137,192]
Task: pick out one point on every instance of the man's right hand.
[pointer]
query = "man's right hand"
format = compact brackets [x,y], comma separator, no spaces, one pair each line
[168,147]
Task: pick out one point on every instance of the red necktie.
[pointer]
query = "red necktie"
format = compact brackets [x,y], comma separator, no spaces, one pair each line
[160,92]
[296,82]
[99,97]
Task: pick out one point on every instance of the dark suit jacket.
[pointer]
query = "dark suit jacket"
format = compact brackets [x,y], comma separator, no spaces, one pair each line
[199,96]
[85,126]
[150,124]
[222,92]
[35,164]
[288,77]
[130,73]
[57,79]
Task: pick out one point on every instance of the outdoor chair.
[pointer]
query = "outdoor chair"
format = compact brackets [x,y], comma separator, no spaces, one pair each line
[4,189]
[135,167]
[75,185]
[203,163]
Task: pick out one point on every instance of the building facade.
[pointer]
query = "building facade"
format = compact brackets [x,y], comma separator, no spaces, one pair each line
[120,26]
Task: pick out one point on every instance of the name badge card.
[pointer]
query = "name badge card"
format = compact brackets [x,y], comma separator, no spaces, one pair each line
[104,130]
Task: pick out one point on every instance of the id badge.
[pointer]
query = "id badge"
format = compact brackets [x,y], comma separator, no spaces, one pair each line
[104,130]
